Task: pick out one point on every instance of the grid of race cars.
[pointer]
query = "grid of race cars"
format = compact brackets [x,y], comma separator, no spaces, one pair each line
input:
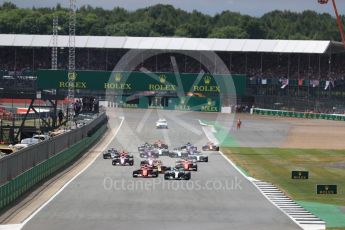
[187,159]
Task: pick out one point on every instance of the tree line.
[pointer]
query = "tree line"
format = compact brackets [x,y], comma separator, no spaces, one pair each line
[165,20]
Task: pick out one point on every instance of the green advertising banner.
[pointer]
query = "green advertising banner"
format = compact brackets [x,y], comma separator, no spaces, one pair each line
[203,104]
[140,81]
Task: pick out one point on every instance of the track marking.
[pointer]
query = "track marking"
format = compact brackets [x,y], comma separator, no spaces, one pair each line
[20,226]
[11,226]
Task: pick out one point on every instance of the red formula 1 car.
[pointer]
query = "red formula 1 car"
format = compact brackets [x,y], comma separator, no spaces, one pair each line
[145,171]
[155,164]
[186,164]
[160,145]
[210,147]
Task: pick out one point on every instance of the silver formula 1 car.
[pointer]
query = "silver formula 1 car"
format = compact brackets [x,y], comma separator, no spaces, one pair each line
[177,174]
[178,153]
[110,154]
[198,157]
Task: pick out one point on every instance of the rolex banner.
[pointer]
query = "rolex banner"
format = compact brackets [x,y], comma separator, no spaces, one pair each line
[203,104]
[139,81]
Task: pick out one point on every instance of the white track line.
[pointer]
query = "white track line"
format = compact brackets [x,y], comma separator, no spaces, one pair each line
[10,226]
[63,187]
[211,137]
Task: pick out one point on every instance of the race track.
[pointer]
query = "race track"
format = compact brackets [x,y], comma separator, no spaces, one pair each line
[107,197]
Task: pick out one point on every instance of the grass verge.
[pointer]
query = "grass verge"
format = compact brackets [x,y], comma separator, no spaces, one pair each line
[274,165]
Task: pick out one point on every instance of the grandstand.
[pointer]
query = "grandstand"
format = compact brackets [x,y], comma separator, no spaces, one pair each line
[282,74]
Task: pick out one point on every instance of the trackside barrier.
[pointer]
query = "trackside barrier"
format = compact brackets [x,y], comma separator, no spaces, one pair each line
[23,182]
[14,164]
[285,113]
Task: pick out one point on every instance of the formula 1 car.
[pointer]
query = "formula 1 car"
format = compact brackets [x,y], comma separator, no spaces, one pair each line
[156,164]
[188,147]
[125,154]
[110,154]
[162,124]
[149,153]
[178,153]
[188,165]
[123,159]
[145,146]
[149,161]
[145,171]
[210,147]
[177,174]
[198,157]
[160,145]
[161,168]
[163,152]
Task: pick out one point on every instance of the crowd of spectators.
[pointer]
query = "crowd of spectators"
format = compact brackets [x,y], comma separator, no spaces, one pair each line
[16,61]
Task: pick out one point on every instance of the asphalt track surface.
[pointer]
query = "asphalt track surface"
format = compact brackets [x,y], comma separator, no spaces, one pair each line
[107,197]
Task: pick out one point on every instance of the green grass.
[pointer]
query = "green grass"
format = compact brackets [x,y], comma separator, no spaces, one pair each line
[274,165]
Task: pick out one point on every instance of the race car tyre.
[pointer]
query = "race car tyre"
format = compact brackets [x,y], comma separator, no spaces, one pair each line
[154,174]
[187,176]
[166,177]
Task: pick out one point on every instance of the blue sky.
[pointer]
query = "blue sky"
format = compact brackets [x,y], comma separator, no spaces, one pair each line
[251,7]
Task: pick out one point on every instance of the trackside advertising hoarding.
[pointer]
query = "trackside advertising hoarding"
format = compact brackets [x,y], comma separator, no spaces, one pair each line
[139,81]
